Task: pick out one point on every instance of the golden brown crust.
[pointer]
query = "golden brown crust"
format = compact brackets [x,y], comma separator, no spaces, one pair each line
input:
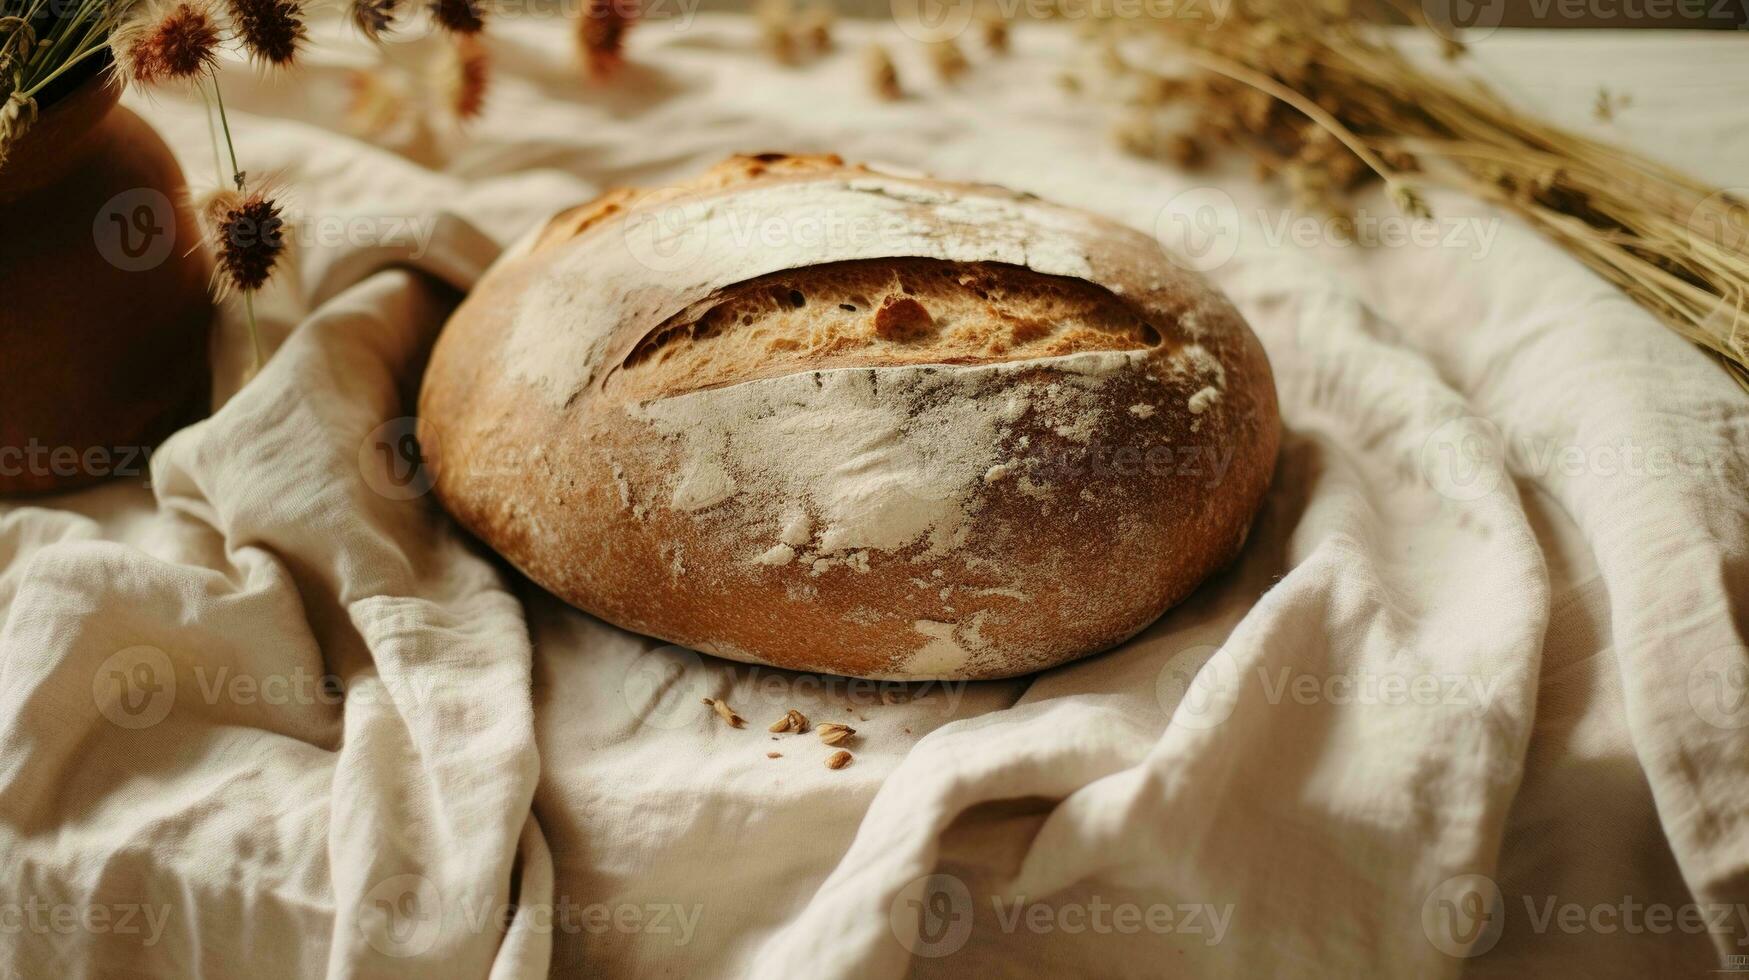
[979,510]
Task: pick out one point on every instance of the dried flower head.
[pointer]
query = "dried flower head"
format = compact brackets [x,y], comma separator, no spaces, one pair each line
[602,32]
[779,43]
[272,30]
[949,61]
[247,231]
[467,73]
[777,31]
[167,40]
[459,16]
[883,75]
[995,30]
[815,27]
[375,103]
[374,18]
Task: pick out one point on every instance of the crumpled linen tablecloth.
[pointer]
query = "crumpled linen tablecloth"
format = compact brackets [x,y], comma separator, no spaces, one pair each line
[1470,702]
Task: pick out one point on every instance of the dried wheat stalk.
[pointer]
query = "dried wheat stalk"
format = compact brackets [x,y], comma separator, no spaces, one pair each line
[1329,104]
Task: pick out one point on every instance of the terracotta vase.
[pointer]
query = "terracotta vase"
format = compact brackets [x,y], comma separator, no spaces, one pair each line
[105,315]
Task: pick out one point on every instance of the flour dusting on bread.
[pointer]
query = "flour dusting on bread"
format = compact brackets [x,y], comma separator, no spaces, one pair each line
[881,459]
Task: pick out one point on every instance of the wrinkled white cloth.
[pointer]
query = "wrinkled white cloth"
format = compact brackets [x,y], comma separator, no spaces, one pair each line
[1471,701]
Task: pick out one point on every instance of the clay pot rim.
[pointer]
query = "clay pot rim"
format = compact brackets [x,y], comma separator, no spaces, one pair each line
[61,130]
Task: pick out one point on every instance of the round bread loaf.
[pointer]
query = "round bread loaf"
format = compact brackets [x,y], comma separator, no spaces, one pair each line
[826,418]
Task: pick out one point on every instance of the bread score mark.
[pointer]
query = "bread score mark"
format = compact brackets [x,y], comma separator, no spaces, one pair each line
[619,280]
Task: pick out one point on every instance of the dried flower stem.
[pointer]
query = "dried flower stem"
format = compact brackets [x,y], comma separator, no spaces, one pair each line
[238,179]
[1311,110]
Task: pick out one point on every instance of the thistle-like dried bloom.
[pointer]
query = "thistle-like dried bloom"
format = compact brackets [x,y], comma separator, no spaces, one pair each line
[373,18]
[376,103]
[815,27]
[248,233]
[459,16]
[779,43]
[272,30]
[167,40]
[995,28]
[883,76]
[949,61]
[468,72]
[602,32]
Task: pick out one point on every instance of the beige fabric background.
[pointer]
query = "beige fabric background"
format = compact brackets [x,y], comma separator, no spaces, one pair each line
[509,787]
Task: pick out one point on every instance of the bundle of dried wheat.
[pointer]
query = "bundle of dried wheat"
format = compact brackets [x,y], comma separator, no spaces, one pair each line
[1329,104]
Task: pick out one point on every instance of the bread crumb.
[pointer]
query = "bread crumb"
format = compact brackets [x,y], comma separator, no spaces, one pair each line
[839,760]
[725,712]
[774,755]
[947,58]
[1202,400]
[883,76]
[1142,411]
[792,721]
